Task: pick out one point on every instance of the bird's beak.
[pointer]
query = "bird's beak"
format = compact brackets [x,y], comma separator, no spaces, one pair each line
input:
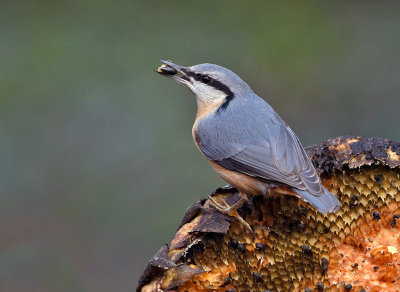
[173,71]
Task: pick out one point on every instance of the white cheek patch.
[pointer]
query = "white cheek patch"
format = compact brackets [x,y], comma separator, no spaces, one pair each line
[207,93]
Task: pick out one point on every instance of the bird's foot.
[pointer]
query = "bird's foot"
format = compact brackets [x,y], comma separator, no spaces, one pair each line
[231,210]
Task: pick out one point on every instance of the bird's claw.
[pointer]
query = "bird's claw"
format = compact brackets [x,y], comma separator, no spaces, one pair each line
[232,211]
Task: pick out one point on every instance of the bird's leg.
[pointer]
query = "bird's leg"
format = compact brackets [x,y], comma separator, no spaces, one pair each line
[232,210]
[227,209]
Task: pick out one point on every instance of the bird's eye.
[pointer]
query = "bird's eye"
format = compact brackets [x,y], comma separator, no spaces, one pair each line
[206,79]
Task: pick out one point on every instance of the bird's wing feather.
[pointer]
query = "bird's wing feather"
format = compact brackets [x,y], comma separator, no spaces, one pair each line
[291,159]
[257,161]
[260,145]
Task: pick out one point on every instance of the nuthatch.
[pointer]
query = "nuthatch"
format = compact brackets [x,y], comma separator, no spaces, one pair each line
[245,140]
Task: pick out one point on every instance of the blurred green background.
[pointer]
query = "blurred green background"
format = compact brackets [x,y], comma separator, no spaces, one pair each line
[97,160]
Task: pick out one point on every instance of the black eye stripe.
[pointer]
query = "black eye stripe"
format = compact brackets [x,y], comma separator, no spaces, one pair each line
[195,76]
[215,84]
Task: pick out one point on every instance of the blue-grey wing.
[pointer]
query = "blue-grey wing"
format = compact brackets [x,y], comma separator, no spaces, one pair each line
[254,140]
[280,160]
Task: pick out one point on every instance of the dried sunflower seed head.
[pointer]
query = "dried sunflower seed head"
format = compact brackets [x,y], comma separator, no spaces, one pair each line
[296,248]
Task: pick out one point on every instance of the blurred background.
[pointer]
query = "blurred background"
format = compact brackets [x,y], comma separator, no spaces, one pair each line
[97,160]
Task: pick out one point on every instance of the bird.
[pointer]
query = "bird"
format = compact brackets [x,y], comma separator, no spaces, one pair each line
[246,142]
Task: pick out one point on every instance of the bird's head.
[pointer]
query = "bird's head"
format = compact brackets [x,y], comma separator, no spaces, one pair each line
[211,84]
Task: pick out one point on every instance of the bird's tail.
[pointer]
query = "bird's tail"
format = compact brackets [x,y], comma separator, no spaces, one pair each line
[326,203]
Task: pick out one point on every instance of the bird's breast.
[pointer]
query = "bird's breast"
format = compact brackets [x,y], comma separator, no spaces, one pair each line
[202,113]
[194,134]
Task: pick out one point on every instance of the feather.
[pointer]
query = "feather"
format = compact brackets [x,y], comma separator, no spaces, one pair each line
[326,203]
[250,137]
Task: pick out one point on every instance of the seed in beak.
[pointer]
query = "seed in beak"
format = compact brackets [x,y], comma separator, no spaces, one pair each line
[167,70]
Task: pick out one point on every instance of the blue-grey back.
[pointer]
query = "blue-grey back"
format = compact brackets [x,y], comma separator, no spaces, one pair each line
[248,136]
[246,120]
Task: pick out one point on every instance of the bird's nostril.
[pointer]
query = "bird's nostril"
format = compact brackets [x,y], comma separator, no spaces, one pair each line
[167,70]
